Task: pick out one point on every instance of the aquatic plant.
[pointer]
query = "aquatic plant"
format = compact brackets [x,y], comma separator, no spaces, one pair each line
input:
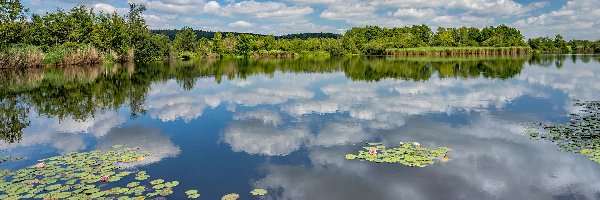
[192,194]
[580,135]
[82,175]
[258,192]
[9,158]
[231,196]
[410,154]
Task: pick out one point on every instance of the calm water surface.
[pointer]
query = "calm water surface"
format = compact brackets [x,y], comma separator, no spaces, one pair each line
[230,126]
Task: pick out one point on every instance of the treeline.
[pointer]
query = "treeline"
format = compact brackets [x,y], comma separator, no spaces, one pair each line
[81,36]
[559,45]
[172,33]
[73,37]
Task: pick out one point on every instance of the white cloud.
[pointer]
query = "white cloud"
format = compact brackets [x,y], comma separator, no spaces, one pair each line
[412,12]
[241,24]
[211,7]
[176,6]
[576,19]
[107,9]
[267,9]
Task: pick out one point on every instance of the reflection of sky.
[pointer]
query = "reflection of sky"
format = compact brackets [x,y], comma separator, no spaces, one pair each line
[313,120]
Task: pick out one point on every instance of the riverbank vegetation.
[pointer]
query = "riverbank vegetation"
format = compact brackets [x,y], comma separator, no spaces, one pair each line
[559,45]
[81,36]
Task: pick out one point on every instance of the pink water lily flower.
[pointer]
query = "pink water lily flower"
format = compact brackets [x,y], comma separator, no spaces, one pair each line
[104,178]
[41,165]
[373,151]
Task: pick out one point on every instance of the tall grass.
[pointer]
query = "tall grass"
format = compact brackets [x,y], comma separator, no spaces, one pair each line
[73,54]
[442,51]
[21,56]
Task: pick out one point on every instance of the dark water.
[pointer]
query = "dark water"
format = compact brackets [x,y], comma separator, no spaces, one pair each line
[230,126]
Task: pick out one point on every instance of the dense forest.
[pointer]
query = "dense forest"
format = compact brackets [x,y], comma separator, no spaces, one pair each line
[82,36]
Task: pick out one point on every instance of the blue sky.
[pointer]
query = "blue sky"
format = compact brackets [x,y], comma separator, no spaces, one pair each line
[571,18]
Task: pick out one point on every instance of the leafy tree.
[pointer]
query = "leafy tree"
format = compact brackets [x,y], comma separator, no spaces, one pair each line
[229,43]
[185,40]
[12,21]
[137,28]
[219,46]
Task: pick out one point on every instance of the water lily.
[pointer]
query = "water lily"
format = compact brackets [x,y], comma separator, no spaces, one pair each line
[401,143]
[373,151]
[416,143]
[104,178]
[41,165]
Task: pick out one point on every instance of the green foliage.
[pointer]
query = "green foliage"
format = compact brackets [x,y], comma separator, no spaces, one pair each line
[154,48]
[185,40]
[12,22]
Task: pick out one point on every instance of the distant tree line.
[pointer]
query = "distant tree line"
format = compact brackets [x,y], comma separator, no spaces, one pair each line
[559,45]
[82,36]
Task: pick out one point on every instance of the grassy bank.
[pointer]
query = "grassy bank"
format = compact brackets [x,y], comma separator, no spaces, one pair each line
[444,51]
[28,56]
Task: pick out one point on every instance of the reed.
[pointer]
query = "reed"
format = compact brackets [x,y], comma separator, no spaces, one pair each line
[21,56]
[73,55]
[444,51]
[273,54]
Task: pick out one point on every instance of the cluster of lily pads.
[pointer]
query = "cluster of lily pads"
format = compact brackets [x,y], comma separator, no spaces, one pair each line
[580,135]
[408,153]
[82,175]
[9,158]
[87,175]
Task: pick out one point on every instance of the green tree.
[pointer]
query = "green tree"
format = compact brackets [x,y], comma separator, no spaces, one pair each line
[218,47]
[137,28]
[229,43]
[12,21]
[185,40]
[444,38]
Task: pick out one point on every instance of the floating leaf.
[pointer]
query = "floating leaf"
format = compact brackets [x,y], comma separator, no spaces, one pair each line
[78,175]
[192,194]
[579,135]
[258,192]
[409,154]
[231,196]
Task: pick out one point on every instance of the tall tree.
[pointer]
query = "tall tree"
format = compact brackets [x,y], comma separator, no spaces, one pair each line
[185,40]
[218,43]
[12,21]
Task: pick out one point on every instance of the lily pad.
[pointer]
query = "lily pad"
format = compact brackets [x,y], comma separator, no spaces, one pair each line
[192,194]
[79,175]
[258,192]
[231,196]
[581,134]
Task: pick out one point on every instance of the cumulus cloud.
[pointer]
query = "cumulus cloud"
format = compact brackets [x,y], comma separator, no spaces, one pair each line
[266,9]
[575,19]
[241,24]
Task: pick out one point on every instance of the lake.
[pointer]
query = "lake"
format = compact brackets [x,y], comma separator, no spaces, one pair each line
[229,126]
